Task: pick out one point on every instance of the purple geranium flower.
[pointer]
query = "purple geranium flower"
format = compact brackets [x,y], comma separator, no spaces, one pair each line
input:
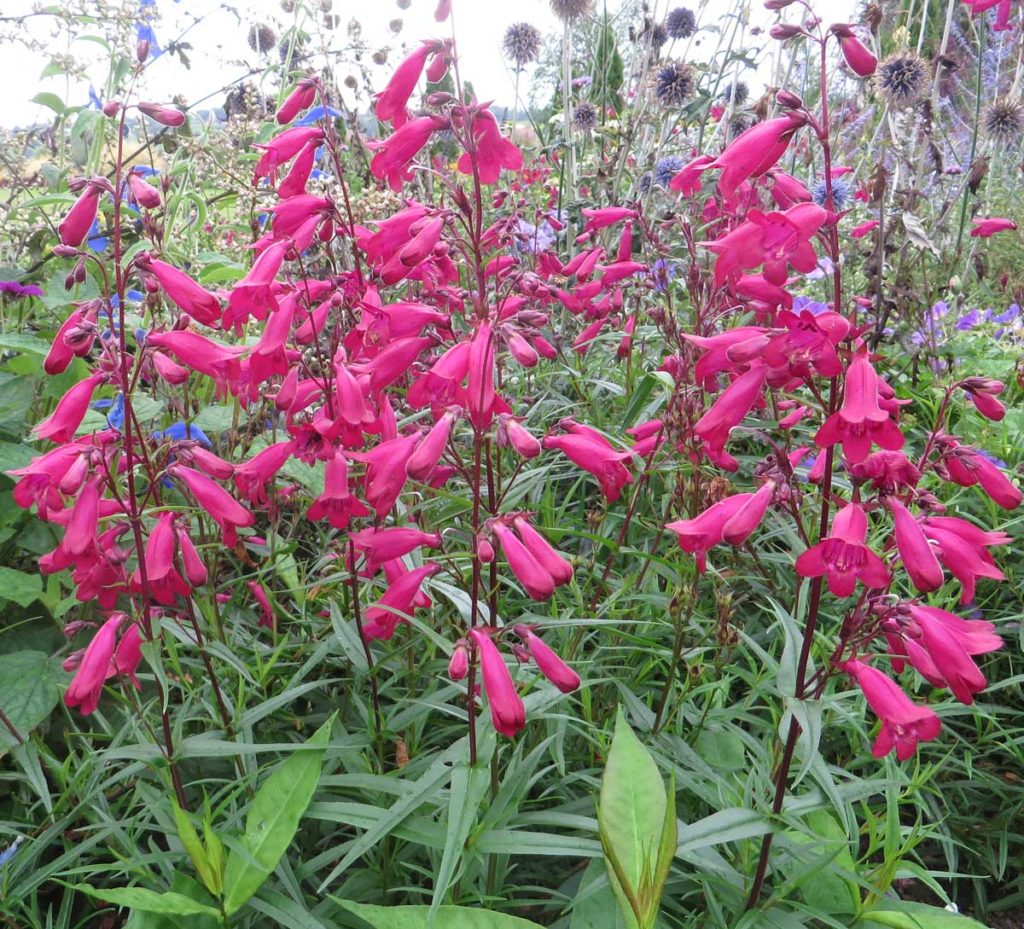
[20,290]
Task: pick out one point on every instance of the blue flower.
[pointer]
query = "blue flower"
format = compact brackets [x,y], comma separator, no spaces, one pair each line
[8,853]
[94,99]
[668,168]
[662,272]
[96,240]
[969,320]
[132,296]
[115,418]
[1012,313]
[806,303]
[181,432]
[842,193]
[316,114]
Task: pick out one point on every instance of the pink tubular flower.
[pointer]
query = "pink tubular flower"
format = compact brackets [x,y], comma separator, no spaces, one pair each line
[843,557]
[595,454]
[61,425]
[380,545]
[79,219]
[986,228]
[983,392]
[392,100]
[401,597]
[550,664]
[1002,11]
[963,549]
[253,295]
[904,723]
[519,437]
[222,508]
[283,148]
[858,232]
[75,337]
[862,62]
[507,711]
[252,476]
[688,180]
[458,664]
[493,151]
[95,667]
[165,115]
[336,502]
[394,155]
[267,617]
[535,578]
[385,471]
[730,520]
[480,395]
[145,195]
[967,466]
[543,552]
[755,151]
[860,421]
[301,98]
[916,552]
[431,447]
[728,411]
[949,647]
[184,292]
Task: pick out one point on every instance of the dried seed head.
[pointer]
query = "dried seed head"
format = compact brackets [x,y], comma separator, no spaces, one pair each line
[1003,120]
[902,78]
[737,93]
[570,10]
[584,116]
[522,43]
[681,23]
[675,84]
[261,38]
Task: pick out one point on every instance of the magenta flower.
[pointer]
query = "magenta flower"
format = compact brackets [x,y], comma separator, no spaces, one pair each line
[61,425]
[184,292]
[861,61]
[507,711]
[394,155]
[20,290]
[963,549]
[392,100]
[729,410]
[861,420]
[592,452]
[755,151]
[95,667]
[986,228]
[843,558]
[549,663]
[730,520]
[916,553]
[79,219]
[493,151]
[301,98]
[904,723]
[219,505]
[400,598]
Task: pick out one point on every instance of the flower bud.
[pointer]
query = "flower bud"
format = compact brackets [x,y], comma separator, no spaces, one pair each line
[458,666]
[111,108]
[785,31]
[142,50]
[165,115]
[484,550]
[789,100]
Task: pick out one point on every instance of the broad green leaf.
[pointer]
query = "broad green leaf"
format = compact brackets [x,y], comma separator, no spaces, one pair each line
[920,916]
[273,820]
[188,887]
[138,898]
[822,867]
[447,917]
[594,905]
[631,813]
[29,690]
[19,587]
[52,101]
[194,846]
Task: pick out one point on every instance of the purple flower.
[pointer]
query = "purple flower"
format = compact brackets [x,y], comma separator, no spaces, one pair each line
[969,320]
[1012,313]
[20,290]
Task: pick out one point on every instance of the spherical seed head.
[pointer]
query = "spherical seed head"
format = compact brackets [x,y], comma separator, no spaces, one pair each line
[902,78]
[522,43]
[842,193]
[681,23]
[1003,120]
[654,35]
[261,38]
[738,93]
[674,84]
[569,11]
[667,168]
[584,116]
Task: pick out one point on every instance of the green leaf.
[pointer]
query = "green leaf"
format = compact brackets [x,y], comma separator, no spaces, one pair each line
[185,886]
[273,820]
[467,791]
[631,814]
[19,587]
[447,917]
[29,690]
[594,905]
[193,845]
[50,100]
[138,898]
[920,916]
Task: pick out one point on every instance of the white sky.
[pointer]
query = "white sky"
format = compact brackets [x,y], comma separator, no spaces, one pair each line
[220,52]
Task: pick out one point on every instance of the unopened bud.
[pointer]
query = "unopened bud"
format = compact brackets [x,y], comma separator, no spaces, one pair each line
[785,31]
[111,108]
[789,100]
[142,50]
